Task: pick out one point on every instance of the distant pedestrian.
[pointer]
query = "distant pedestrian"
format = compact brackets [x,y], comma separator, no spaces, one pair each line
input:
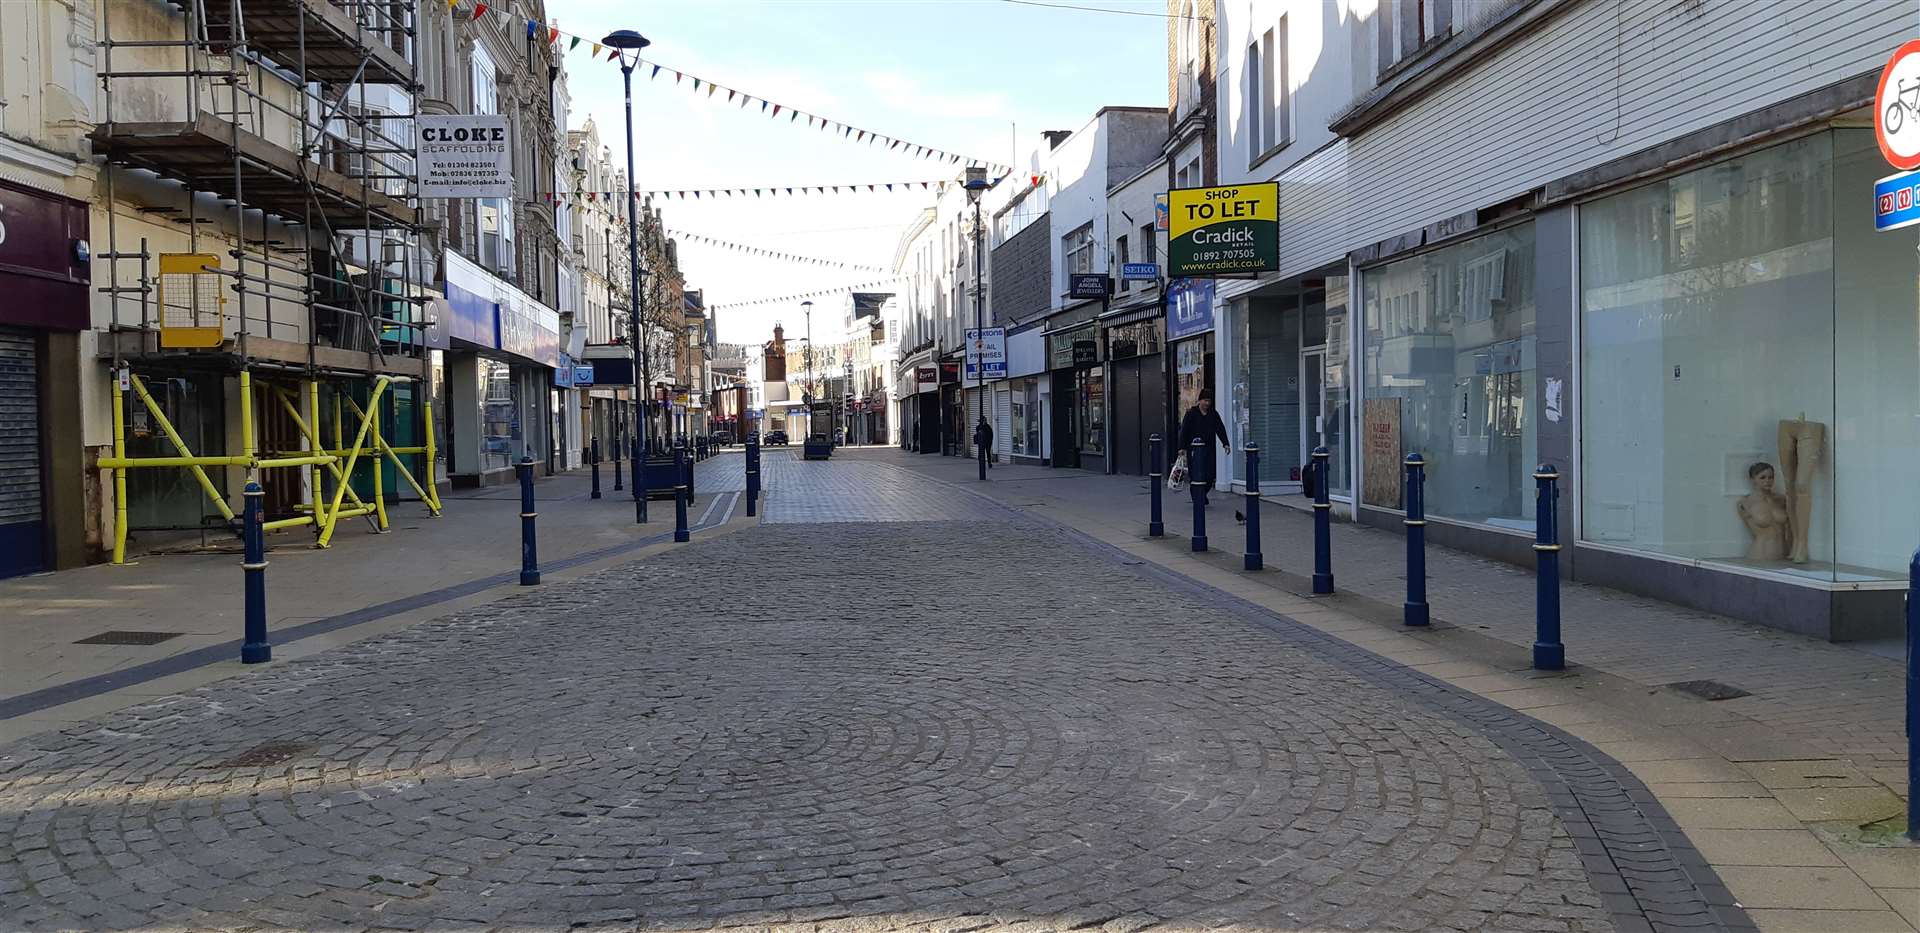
[1201,422]
[983,439]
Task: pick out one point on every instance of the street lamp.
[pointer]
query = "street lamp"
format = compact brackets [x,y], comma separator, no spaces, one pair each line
[813,386]
[975,184]
[630,43]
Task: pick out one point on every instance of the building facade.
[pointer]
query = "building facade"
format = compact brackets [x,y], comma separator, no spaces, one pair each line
[1666,285]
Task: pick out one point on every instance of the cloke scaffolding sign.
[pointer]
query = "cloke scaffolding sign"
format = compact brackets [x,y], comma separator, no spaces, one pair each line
[1223,231]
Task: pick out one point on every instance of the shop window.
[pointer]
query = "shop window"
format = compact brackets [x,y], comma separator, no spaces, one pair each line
[1091,417]
[502,434]
[1449,374]
[1750,343]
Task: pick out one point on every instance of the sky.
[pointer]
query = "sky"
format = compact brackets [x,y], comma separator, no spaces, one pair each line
[978,77]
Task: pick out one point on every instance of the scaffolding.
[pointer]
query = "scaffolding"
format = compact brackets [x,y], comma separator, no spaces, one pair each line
[278,134]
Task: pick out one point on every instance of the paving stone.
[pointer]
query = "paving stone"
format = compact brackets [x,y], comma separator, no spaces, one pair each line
[973,721]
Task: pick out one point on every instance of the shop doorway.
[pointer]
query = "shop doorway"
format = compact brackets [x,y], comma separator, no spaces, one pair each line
[1139,411]
[1313,399]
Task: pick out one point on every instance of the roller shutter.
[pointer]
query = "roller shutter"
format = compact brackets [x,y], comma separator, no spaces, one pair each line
[22,526]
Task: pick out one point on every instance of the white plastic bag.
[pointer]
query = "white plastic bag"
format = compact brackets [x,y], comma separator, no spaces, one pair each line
[1177,476]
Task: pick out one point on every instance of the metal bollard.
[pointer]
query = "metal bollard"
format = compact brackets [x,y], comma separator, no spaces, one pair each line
[753,478]
[1548,653]
[617,471]
[1254,559]
[593,458]
[1416,496]
[1199,490]
[1913,698]
[636,481]
[1322,526]
[529,551]
[683,465]
[254,563]
[1155,526]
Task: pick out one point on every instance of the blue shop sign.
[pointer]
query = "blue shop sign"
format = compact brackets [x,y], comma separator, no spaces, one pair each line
[1189,307]
[1140,271]
[1896,201]
[583,374]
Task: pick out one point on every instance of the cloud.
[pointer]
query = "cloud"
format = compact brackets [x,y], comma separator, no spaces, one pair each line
[904,92]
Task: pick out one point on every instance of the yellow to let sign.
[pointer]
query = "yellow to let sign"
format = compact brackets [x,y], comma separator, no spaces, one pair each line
[1233,228]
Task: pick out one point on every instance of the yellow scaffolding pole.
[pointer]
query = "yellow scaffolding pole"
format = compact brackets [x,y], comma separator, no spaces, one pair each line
[153,407]
[433,485]
[311,431]
[359,440]
[119,474]
[399,466]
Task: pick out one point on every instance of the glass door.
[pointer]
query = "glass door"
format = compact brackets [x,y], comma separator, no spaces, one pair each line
[1313,401]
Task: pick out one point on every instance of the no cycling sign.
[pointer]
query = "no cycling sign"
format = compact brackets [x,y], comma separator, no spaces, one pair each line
[1230,229]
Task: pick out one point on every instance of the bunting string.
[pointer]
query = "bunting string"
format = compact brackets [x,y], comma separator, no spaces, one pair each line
[703,240]
[741,99]
[769,191]
[887,282]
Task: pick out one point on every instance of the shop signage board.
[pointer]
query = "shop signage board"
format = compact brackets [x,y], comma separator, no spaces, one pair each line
[463,156]
[1896,108]
[1160,212]
[1223,230]
[583,374]
[1189,307]
[1140,271]
[1896,201]
[988,345]
[1088,285]
[1380,427]
[926,378]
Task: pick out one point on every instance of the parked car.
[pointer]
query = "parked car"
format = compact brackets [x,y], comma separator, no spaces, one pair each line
[721,439]
[776,438]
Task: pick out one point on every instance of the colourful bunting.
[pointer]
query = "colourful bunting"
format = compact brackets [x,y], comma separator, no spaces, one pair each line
[479,9]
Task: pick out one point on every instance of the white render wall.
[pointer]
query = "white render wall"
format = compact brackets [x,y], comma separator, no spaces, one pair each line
[1599,82]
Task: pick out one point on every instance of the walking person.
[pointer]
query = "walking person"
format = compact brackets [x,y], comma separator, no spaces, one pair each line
[1202,422]
[983,439]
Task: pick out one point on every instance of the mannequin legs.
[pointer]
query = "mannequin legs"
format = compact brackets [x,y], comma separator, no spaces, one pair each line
[1800,445]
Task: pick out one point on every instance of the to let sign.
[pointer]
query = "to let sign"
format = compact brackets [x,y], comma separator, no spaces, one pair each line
[463,156]
[1226,230]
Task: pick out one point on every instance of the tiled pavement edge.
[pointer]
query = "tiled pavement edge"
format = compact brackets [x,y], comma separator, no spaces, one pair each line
[1643,865]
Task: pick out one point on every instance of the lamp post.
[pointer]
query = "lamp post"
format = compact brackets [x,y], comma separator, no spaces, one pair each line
[630,43]
[975,184]
[813,385]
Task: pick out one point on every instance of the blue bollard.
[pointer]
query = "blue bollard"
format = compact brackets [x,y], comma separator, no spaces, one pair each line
[529,552]
[1913,699]
[255,649]
[683,465]
[753,478]
[1548,653]
[1322,526]
[1254,560]
[1416,521]
[1155,526]
[593,458]
[1199,490]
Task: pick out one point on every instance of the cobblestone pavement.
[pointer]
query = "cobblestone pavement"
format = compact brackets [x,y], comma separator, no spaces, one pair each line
[1022,733]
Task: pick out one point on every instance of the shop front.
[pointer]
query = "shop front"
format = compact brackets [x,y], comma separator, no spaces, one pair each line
[1136,387]
[1750,400]
[1190,335]
[43,273]
[1289,378]
[1027,390]
[503,349]
[1079,398]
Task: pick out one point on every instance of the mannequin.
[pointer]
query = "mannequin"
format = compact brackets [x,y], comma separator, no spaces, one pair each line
[1766,515]
[1802,443]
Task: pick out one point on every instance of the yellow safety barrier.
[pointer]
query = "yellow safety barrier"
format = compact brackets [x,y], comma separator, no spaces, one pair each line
[322,514]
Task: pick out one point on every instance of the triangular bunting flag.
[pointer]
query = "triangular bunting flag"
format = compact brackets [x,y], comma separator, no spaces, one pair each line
[574,44]
[656,73]
[478,9]
[711,87]
[596,50]
[696,84]
[729,95]
[553,35]
[677,76]
[533,29]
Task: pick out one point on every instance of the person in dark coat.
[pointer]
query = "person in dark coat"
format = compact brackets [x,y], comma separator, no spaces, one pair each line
[983,439]
[1201,422]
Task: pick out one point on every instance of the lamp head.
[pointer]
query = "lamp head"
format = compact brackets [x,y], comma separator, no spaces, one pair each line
[625,39]
[976,181]
[807,307]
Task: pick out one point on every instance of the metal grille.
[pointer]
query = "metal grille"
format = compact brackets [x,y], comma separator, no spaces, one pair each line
[1709,689]
[19,429]
[127,638]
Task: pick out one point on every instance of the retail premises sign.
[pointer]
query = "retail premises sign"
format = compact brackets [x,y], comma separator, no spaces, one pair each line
[1225,230]
[463,156]
[1896,201]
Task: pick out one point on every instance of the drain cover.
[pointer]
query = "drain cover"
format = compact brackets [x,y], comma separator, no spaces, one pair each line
[259,756]
[1709,689]
[127,638]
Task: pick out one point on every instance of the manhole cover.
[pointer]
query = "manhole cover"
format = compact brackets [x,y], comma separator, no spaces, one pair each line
[127,638]
[260,756]
[1709,689]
